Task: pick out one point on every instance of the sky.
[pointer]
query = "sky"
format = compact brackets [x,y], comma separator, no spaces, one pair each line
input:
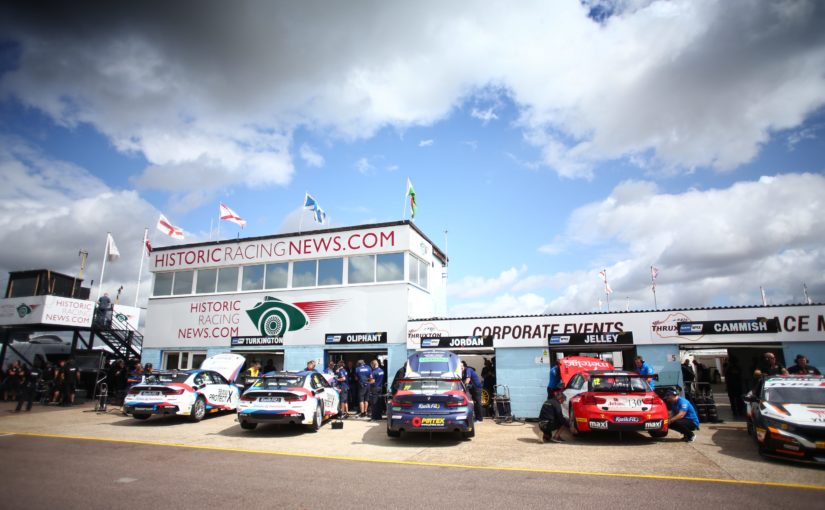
[546,141]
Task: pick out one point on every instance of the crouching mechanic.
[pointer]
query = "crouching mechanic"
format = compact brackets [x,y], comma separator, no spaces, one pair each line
[551,419]
[683,417]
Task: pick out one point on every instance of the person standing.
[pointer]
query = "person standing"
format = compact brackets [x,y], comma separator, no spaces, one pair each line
[688,376]
[801,367]
[473,383]
[342,382]
[376,392]
[30,378]
[551,419]
[683,417]
[363,374]
[555,380]
[771,367]
[11,384]
[71,375]
[644,369]
[104,310]
[733,385]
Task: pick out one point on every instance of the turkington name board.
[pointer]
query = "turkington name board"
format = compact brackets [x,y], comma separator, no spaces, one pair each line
[253,341]
[356,338]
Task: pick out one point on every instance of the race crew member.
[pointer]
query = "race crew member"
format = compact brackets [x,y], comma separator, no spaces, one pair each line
[644,369]
[473,383]
[802,367]
[376,391]
[342,382]
[70,377]
[551,419]
[363,374]
[28,387]
[555,381]
[771,366]
[683,417]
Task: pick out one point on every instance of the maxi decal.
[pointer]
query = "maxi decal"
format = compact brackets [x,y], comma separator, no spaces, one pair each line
[356,338]
[457,342]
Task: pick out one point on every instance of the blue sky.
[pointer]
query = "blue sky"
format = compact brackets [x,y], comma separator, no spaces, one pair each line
[550,145]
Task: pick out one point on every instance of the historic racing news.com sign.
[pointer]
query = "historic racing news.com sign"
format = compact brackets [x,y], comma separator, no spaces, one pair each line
[356,338]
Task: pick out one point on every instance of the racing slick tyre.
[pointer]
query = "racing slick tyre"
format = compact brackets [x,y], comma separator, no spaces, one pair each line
[468,434]
[574,428]
[317,417]
[657,434]
[247,425]
[392,433]
[141,416]
[198,410]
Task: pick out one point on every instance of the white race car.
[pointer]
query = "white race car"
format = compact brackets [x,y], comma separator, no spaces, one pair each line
[192,393]
[288,397]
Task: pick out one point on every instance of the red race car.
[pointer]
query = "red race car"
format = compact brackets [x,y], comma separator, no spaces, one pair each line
[614,400]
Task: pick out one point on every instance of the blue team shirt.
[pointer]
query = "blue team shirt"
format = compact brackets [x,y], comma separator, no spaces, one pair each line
[378,375]
[555,378]
[690,413]
[470,373]
[342,372]
[646,369]
[363,373]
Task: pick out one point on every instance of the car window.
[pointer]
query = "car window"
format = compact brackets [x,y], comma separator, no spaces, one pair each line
[576,382]
[217,378]
[166,378]
[322,382]
[618,383]
[315,382]
[200,379]
[278,382]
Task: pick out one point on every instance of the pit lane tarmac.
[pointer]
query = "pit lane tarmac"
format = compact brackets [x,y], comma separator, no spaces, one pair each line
[722,456]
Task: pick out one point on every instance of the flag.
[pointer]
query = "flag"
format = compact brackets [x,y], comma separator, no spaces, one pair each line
[411,194]
[148,247]
[230,215]
[607,289]
[653,272]
[310,203]
[112,253]
[169,229]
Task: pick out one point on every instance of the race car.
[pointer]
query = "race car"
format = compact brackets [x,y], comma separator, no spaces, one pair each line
[192,393]
[304,398]
[614,400]
[786,417]
[431,397]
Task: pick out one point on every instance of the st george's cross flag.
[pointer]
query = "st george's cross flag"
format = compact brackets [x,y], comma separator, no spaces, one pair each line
[169,229]
[230,215]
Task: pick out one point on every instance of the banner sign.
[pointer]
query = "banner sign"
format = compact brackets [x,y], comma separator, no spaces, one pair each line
[577,339]
[253,341]
[760,325]
[457,342]
[356,338]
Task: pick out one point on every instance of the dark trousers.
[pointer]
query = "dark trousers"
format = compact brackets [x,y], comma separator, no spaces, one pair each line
[683,426]
[376,403]
[26,394]
[476,393]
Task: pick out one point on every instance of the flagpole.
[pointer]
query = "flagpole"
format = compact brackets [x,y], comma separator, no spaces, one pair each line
[210,227]
[607,294]
[103,266]
[653,281]
[140,270]
[303,208]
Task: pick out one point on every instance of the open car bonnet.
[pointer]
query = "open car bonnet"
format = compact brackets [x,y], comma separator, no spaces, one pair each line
[226,364]
[572,365]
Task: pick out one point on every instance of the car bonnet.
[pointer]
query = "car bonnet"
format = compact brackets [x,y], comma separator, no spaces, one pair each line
[227,364]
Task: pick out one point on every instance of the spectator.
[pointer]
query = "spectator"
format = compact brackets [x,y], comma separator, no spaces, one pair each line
[801,367]
[104,310]
[552,420]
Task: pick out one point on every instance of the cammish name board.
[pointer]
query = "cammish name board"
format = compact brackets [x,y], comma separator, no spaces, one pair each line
[728,327]
[356,338]
[253,341]
[457,342]
[622,338]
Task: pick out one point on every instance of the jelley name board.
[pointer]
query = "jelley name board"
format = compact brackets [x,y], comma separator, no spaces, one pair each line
[579,339]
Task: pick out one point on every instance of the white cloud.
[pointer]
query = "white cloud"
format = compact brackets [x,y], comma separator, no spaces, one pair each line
[691,83]
[506,304]
[363,166]
[311,156]
[485,116]
[426,143]
[475,286]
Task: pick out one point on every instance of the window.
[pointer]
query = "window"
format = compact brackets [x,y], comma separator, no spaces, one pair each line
[206,281]
[303,273]
[330,271]
[228,279]
[276,276]
[163,284]
[418,271]
[183,282]
[253,278]
[183,360]
[361,269]
[390,267]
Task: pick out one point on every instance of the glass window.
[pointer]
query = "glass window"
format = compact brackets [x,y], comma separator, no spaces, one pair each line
[163,284]
[172,361]
[276,276]
[412,270]
[330,271]
[228,279]
[183,282]
[303,273]
[24,287]
[197,359]
[390,267]
[361,269]
[206,281]
[423,272]
[253,278]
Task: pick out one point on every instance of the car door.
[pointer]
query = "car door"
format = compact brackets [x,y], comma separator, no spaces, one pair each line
[225,394]
[324,392]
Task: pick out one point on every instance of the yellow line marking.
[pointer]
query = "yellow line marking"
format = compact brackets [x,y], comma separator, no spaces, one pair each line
[431,464]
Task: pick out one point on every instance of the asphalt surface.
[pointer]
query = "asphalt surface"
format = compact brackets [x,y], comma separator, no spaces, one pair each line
[77,458]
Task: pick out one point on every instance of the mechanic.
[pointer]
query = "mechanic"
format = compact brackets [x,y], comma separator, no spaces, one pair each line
[733,385]
[342,382]
[683,417]
[330,370]
[551,419]
[28,387]
[396,380]
[254,370]
[801,367]
[70,377]
[555,380]
[771,366]
[473,383]
[363,374]
[377,392]
[310,366]
[644,369]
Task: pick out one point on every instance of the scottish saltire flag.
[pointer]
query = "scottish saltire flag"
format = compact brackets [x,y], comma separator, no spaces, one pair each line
[411,194]
[310,203]
[230,215]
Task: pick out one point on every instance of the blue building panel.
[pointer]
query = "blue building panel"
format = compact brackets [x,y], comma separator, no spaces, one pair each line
[526,379]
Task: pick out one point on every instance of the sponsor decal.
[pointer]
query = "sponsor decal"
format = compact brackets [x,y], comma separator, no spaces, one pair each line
[598,424]
[429,342]
[429,406]
[23,310]
[432,422]
[250,341]
[559,339]
[356,338]
[626,419]
[656,424]
[427,330]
